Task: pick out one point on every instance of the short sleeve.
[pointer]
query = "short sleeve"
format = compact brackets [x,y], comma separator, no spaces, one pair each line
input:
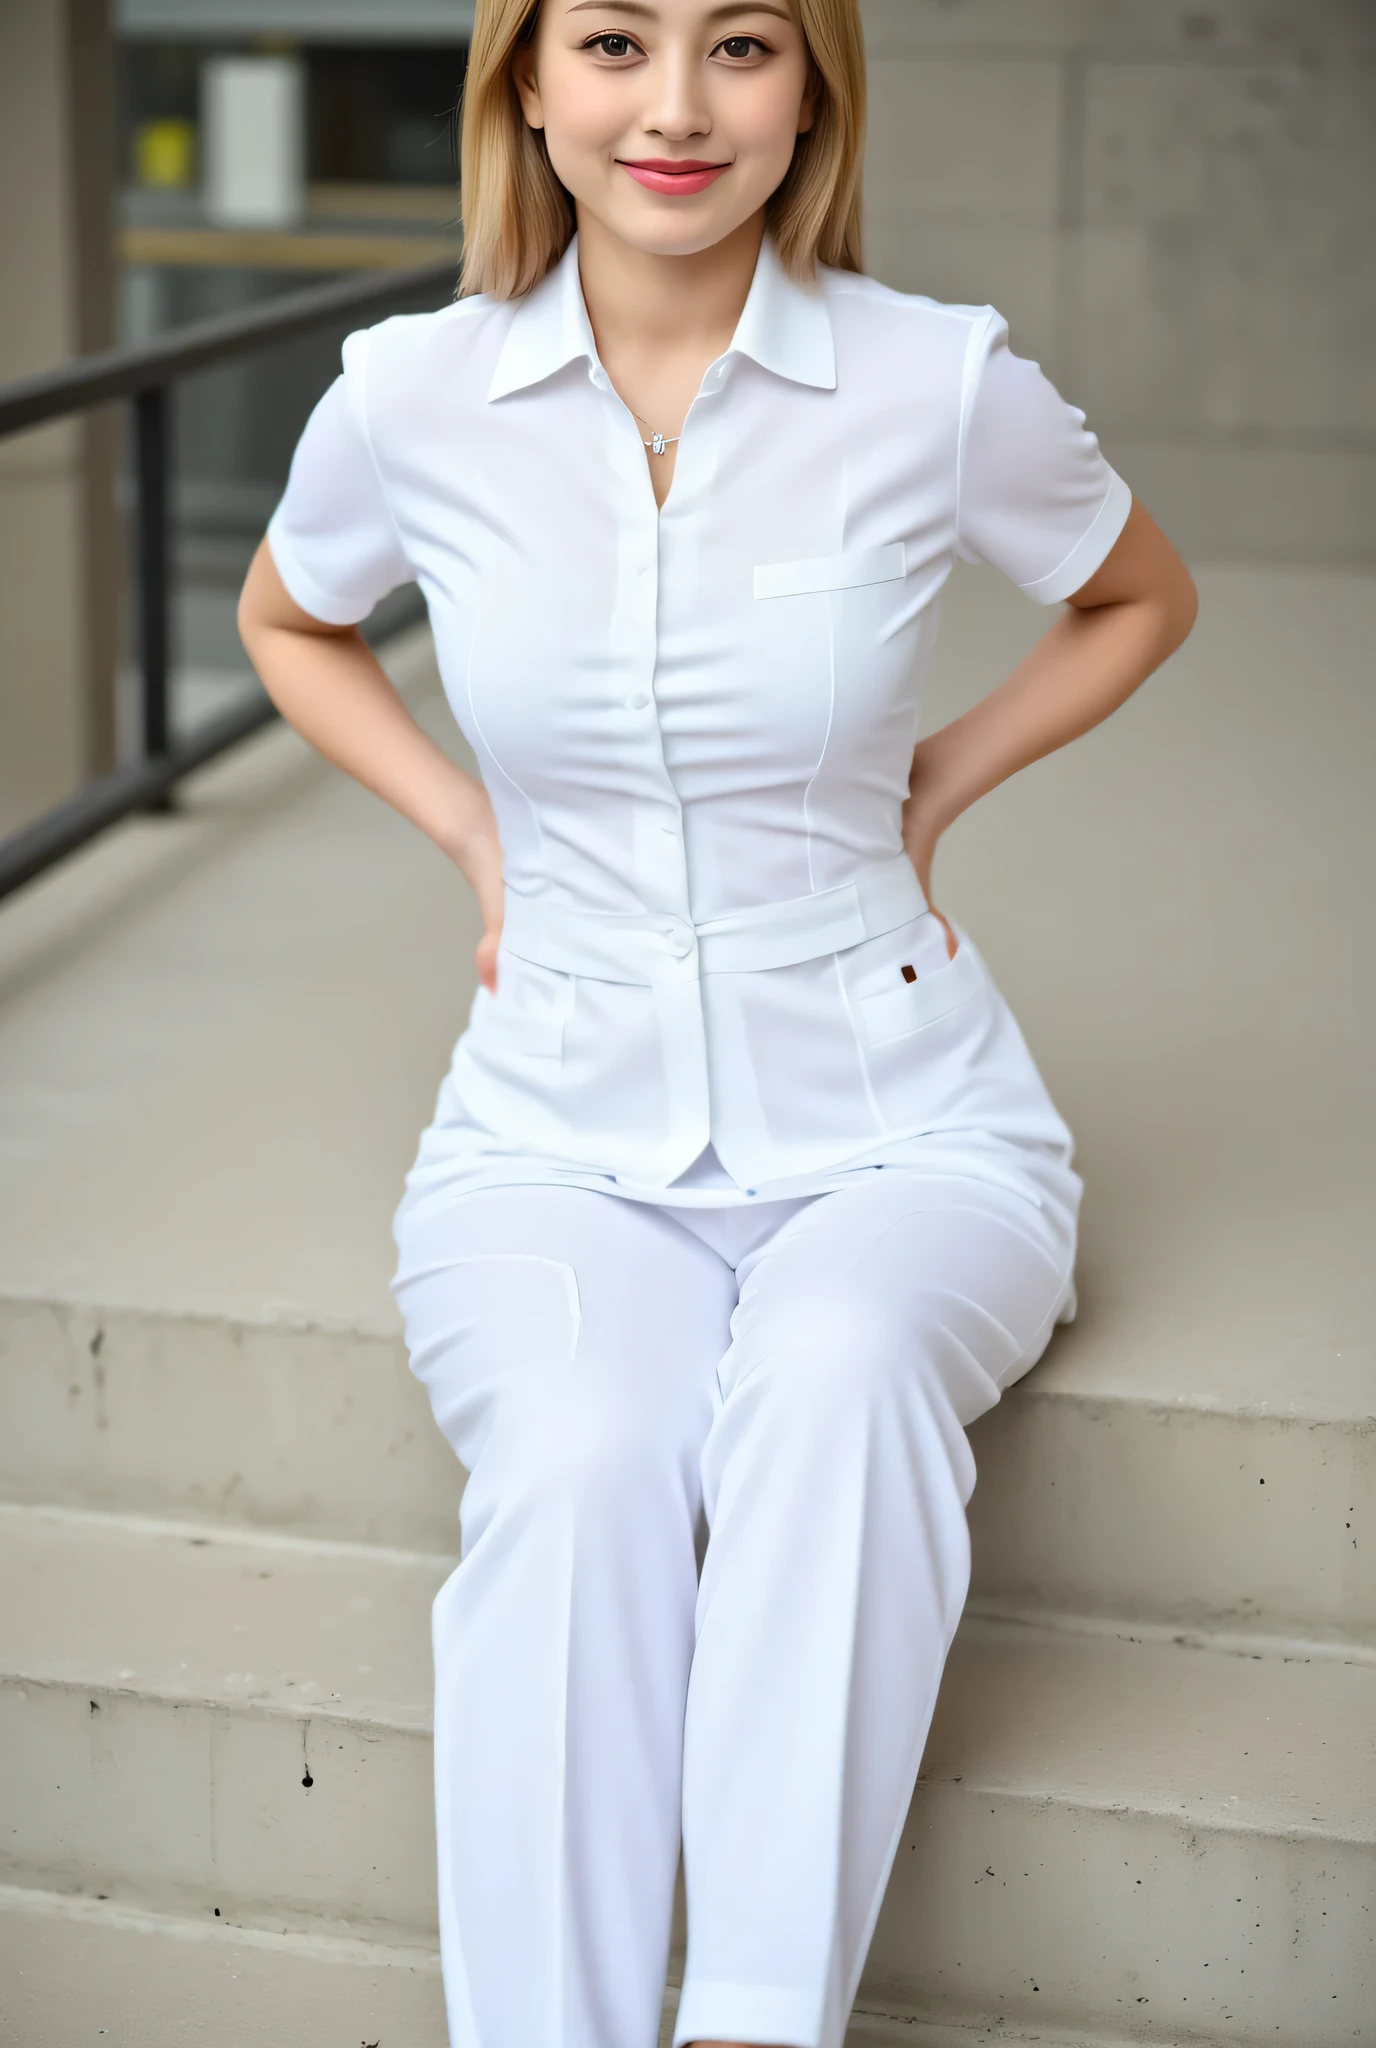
[332,534]
[1036,497]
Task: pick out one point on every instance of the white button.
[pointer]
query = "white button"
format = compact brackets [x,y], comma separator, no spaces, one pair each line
[639,701]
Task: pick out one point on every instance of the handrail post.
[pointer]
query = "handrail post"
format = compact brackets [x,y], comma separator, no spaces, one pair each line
[152,468]
[146,377]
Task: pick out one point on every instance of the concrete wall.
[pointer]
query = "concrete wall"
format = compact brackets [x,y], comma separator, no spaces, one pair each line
[1174,202]
[58,566]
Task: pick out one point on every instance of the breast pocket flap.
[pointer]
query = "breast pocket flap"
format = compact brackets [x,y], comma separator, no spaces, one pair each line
[831,572]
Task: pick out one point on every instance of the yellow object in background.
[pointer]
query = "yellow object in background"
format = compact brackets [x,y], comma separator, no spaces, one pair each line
[165,153]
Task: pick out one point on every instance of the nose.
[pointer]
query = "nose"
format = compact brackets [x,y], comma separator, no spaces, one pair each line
[677,108]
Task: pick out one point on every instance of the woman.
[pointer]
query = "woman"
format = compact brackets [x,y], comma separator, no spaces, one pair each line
[743,1195]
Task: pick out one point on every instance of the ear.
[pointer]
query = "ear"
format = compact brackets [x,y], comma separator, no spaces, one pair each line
[527,89]
[812,92]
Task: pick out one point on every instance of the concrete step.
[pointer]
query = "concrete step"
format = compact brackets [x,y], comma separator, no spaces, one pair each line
[205,1722]
[1127,1838]
[91,1973]
[87,1973]
[1243,1515]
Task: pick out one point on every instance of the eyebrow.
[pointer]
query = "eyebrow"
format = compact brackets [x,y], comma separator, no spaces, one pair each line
[716,13]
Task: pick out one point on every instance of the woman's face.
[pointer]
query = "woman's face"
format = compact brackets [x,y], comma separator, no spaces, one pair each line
[671,122]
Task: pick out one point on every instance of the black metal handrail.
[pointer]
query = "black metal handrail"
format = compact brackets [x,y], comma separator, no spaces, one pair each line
[145,376]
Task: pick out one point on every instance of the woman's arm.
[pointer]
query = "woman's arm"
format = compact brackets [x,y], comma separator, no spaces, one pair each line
[326,682]
[1134,611]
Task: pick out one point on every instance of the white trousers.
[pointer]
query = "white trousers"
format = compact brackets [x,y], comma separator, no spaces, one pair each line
[713,1553]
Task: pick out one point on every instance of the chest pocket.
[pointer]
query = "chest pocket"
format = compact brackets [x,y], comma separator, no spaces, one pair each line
[894,1013]
[848,571]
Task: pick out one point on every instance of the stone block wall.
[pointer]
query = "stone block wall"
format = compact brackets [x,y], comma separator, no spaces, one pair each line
[59,543]
[1174,203]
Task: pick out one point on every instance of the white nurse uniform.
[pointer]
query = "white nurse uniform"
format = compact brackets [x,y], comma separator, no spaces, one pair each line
[741,1199]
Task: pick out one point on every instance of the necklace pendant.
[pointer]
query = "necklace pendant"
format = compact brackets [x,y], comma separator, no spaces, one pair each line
[659,444]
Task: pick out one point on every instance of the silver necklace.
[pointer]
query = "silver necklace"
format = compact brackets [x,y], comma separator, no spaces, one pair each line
[657,442]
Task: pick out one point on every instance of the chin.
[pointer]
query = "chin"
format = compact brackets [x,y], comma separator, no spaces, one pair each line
[682,244]
[663,234]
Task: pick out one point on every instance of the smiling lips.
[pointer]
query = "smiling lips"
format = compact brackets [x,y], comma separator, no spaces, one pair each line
[666,174]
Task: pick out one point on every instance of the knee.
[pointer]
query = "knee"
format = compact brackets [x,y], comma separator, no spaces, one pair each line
[568,1452]
[844,1357]
[837,1402]
[828,1356]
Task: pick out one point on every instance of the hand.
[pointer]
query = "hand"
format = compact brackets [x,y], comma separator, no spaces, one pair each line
[923,825]
[952,942]
[480,860]
[485,954]
[491,901]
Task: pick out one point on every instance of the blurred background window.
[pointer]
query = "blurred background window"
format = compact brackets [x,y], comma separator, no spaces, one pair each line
[255,163]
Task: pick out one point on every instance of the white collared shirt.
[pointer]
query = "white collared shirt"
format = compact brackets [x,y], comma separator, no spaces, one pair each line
[687,718]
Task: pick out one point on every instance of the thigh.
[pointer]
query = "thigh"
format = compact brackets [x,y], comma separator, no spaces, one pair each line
[592,1324]
[905,1273]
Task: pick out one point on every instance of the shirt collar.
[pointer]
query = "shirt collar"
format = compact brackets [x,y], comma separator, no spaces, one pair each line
[784,327]
[549,327]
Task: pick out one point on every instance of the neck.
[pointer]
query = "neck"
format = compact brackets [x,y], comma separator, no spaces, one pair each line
[637,300]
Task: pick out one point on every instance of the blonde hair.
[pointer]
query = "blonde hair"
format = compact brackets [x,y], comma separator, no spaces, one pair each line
[518,219]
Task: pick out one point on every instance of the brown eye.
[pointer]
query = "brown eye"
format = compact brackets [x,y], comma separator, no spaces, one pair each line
[738,46]
[613,45]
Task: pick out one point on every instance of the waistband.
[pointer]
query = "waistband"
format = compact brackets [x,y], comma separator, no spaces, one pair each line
[642,948]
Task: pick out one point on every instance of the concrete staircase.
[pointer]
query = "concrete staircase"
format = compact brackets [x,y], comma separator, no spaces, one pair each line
[1147,1811]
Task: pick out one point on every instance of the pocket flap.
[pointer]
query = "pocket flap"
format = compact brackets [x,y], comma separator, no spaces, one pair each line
[832,572]
[533,1004]
[915,1004]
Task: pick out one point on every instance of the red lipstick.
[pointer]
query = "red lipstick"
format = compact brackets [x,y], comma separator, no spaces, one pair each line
[679,175]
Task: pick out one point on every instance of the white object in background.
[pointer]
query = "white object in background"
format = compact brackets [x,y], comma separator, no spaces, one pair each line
[253,127]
